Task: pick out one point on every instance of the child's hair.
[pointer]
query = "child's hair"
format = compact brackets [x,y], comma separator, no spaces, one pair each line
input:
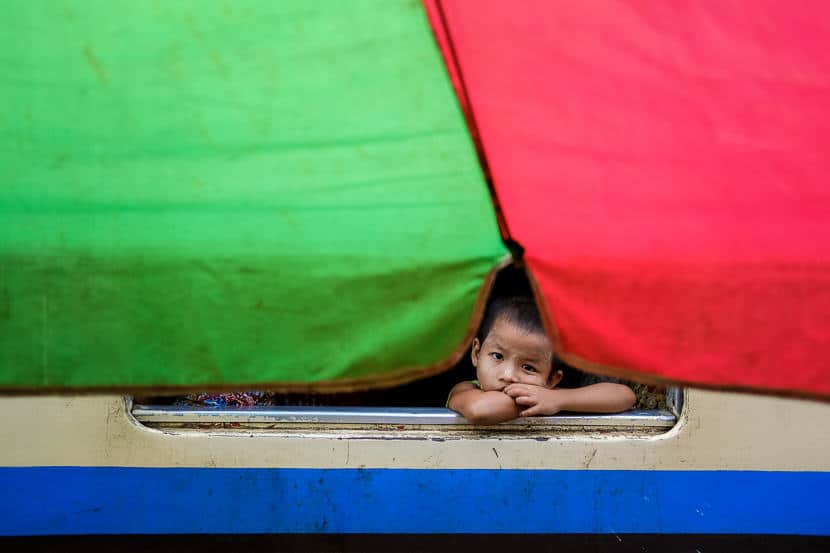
[517,310]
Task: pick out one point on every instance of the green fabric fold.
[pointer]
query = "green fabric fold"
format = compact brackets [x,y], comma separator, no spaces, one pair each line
[218,193]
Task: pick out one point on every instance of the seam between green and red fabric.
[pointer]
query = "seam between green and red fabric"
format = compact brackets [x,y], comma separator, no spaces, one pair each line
[440,29]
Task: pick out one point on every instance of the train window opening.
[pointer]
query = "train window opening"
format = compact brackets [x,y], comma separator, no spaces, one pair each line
[417,404]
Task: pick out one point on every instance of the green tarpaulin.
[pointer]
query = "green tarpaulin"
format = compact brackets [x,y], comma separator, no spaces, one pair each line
[232,193]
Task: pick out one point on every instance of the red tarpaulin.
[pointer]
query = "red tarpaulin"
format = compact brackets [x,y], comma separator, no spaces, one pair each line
[664,165]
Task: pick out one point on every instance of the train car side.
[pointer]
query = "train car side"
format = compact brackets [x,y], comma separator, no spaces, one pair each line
[733,464]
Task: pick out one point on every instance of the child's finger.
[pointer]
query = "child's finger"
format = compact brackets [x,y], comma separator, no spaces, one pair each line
[513,390]
[525,400]
[531,411]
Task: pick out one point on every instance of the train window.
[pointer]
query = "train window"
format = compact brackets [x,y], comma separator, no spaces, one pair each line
[655,413]
[418,405]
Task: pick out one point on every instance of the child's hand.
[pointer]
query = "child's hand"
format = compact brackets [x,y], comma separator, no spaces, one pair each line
[603,397]
[538,400]
[480,407]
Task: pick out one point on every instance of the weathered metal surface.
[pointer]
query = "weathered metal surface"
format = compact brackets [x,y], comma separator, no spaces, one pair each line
[158,415]
[716,431]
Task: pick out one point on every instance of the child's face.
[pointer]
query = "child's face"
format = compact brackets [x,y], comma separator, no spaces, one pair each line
[510,355]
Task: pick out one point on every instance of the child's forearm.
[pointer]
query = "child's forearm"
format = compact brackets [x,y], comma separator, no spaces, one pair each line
[484,407]
[604,397]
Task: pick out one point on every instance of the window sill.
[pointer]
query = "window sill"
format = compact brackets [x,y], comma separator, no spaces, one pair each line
[375,418]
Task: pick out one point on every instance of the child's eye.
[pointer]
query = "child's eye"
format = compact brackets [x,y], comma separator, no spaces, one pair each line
[529,368]
[497,356]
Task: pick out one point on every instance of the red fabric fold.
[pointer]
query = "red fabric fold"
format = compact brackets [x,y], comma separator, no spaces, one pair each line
[664,165]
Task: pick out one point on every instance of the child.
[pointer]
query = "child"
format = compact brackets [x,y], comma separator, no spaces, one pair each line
[517,376]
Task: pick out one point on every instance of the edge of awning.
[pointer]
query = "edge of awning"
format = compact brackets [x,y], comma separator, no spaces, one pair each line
[586,365]
[397,377]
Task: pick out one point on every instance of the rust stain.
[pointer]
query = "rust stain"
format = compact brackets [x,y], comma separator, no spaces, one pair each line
[93,62]
[496,453]
[5,304]
[58,161]
[218,63]
[191,26]
[590,458]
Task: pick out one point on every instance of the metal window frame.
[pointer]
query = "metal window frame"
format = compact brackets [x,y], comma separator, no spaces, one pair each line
[402,418]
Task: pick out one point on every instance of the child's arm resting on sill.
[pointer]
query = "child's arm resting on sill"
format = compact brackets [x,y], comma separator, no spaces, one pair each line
[480,407]
[604,397]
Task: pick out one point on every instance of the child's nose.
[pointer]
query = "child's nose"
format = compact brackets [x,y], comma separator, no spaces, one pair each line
[509,373]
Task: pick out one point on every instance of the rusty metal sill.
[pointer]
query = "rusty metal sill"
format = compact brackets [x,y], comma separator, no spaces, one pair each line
[375,418]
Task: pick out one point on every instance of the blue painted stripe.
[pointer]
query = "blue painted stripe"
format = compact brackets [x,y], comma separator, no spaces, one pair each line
[106,500]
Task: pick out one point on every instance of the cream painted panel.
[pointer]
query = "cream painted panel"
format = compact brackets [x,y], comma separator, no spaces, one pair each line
[717,431]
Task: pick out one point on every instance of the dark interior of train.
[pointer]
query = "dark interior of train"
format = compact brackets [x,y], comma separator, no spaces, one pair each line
[428,392]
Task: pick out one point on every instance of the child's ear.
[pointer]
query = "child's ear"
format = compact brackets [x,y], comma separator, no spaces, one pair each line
[475,352]
[555,378]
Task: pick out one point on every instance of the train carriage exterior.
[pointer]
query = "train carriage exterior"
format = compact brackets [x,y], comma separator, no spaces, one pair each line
[733,466]
[317,196]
